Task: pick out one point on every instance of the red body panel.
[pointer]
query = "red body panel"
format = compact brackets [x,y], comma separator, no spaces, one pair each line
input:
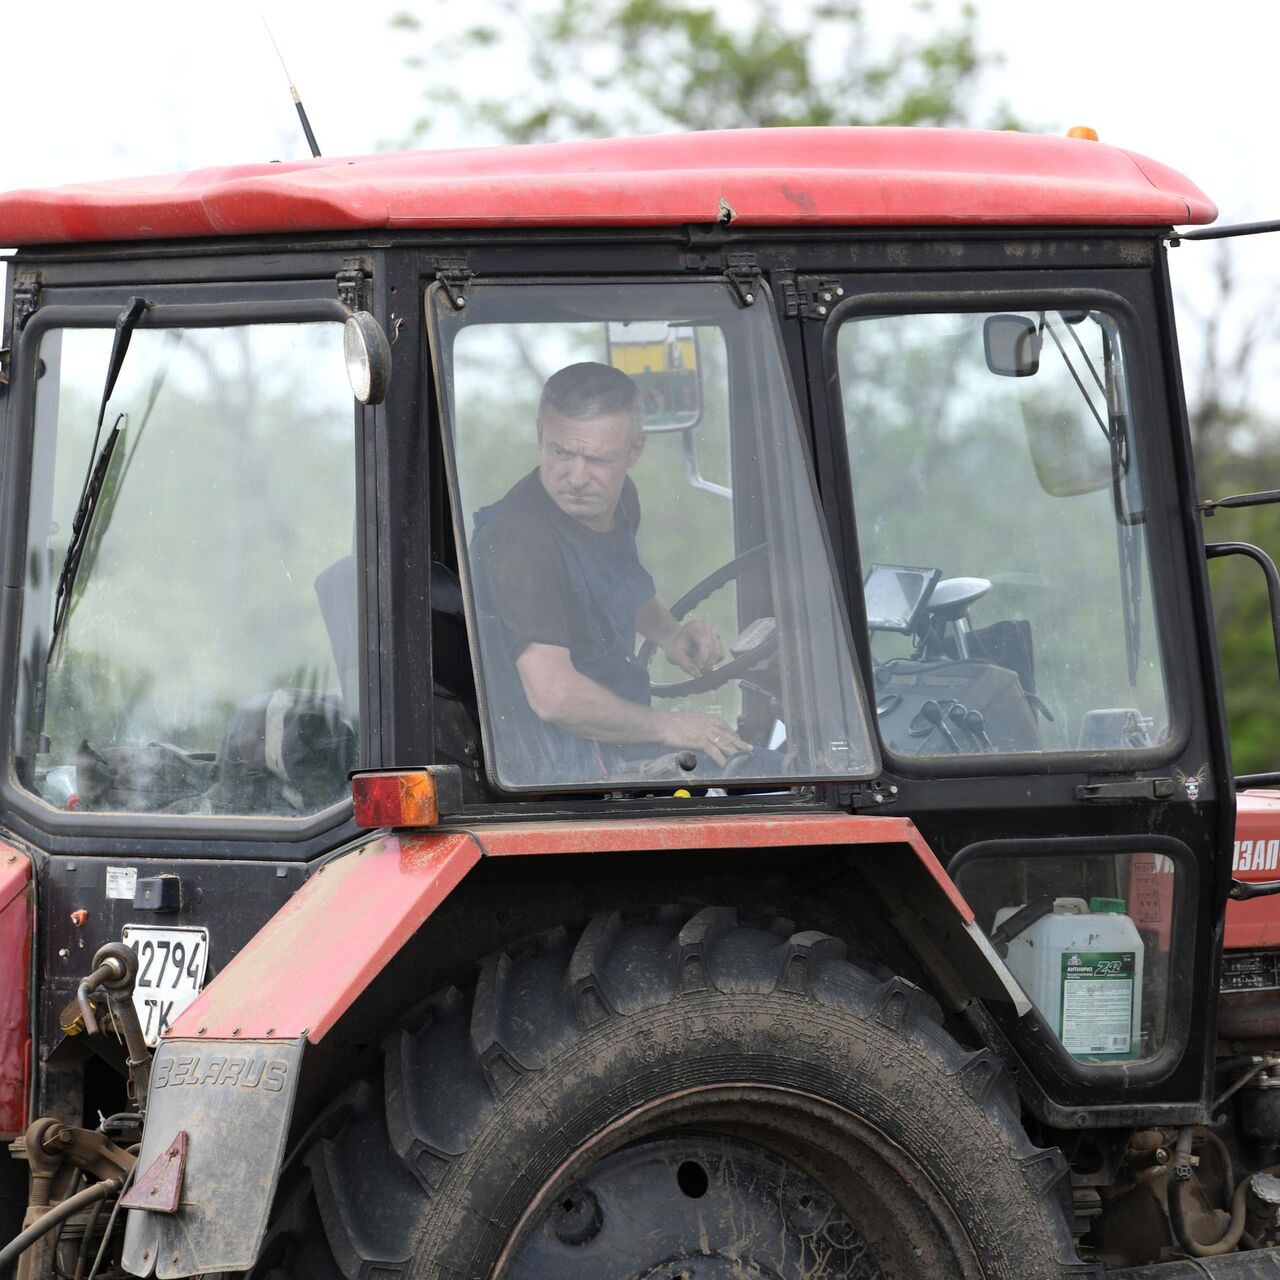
[308,964]
[752,177]
[16,925]
[1255,924]
[716,833]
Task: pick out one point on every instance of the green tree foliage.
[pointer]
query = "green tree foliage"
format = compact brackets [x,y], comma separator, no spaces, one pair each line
[593,68]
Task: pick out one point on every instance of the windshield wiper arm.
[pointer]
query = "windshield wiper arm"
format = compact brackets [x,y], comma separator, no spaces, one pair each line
[96,474]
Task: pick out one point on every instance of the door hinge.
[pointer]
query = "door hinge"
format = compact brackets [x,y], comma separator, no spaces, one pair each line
[26,299]
[1129,789]
[353,284]
[455,276]
[867,795]
[810,297]
[742,272]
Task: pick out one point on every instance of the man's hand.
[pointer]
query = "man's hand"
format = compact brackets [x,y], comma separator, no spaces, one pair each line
[698,732]
[695,647]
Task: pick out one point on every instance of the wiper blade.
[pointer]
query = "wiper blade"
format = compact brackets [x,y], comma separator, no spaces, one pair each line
[96,474]
[80,527]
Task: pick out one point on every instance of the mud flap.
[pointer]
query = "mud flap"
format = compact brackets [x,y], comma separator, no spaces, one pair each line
[234,1099]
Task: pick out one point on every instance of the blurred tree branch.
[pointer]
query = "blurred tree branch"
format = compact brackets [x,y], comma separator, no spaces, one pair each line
[602,67]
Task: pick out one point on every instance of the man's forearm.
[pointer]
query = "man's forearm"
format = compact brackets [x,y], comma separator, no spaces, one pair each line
[563,696]
[656,622]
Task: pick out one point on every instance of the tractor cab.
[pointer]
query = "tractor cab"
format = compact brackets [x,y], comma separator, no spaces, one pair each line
[655,581]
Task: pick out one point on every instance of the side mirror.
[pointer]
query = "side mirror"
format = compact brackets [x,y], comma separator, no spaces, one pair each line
[662,360]
[368,355]
[1011,345]
[1068,452]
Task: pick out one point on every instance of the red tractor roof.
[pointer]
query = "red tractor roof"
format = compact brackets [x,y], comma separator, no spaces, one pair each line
[752,177]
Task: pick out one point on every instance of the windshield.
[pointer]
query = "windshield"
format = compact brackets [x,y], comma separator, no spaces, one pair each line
[205,655]
[1002,532]
[651,590]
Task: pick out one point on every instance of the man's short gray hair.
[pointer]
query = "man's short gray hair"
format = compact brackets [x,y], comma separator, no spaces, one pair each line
[591,390]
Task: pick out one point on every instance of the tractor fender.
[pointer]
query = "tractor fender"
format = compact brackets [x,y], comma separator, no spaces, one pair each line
[225,1073]
[17,925]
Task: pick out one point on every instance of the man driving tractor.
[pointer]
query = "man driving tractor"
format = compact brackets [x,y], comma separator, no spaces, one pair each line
[557,568]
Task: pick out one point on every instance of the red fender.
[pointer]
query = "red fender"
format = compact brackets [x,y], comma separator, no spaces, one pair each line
[17,903]
[311,961]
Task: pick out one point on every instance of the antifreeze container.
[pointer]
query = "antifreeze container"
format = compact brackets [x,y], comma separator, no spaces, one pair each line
[1081,965]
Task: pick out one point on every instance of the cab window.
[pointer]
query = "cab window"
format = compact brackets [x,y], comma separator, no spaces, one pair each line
[1003,533]
[651,594]
[188,630]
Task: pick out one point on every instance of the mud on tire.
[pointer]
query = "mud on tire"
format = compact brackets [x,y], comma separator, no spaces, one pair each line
[682,1090]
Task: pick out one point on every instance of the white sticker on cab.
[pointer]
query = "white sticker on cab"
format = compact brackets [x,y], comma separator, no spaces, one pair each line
[121,882]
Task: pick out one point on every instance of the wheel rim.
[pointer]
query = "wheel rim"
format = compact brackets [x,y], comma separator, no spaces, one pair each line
[725,1183]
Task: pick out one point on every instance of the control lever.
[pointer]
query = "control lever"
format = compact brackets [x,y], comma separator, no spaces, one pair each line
[976,723]
[959,714]
[933,714]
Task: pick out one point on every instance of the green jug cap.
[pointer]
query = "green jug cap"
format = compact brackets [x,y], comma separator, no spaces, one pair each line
[1107,905]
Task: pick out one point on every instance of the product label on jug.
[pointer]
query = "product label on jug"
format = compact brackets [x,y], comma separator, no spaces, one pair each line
[1097,1002]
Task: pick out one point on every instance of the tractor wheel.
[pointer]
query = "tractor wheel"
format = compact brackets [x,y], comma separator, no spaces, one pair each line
[684,1096]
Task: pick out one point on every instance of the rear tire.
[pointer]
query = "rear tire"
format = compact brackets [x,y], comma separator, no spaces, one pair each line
[692,1095]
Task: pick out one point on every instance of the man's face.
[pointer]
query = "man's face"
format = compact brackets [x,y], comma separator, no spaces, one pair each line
[584,462]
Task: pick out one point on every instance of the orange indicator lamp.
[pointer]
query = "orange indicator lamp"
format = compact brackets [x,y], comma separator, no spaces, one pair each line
[405,797]
[1083,131]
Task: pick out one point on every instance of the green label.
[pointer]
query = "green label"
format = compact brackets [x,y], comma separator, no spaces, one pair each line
[1097,1002]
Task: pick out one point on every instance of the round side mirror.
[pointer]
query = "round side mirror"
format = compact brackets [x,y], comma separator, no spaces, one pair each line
[368,356]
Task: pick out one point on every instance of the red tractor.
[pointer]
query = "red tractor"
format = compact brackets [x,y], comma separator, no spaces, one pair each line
[643,708]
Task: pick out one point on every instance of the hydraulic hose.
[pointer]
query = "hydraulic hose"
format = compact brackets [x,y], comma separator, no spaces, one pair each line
[58,1214]
[1177,1210]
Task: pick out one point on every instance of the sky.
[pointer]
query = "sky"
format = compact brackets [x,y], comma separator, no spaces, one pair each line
[110,91]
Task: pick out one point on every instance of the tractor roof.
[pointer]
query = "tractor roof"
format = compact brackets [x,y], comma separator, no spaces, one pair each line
[752,177]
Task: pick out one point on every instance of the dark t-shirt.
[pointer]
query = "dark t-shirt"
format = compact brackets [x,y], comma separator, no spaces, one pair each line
[547,578]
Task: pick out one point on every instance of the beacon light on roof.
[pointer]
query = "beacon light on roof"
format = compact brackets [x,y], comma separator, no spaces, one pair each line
[1083,131]
[405,797]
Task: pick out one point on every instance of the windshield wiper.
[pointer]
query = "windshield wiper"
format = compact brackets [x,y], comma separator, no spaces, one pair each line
[96,474]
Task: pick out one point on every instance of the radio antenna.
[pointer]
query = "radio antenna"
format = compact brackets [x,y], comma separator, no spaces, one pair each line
[297,101]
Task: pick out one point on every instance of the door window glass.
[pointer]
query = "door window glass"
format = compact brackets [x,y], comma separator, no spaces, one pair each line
[652,592]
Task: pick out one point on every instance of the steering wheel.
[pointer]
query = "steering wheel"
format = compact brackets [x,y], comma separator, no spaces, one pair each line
[696,594]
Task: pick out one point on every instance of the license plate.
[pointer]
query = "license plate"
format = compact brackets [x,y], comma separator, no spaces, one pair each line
[171,965]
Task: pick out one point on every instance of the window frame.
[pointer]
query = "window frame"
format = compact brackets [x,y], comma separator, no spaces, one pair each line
[440,359]
[186,307]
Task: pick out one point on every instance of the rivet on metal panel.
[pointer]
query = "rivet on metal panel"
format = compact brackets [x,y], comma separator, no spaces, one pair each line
[304,1031]
[201,1030]
[13,857]
[271,1031]
[235,1031]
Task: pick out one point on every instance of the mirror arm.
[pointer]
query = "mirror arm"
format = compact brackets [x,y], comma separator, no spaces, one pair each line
[1211,506]
[1213,550]
[694,473]
[1224,233]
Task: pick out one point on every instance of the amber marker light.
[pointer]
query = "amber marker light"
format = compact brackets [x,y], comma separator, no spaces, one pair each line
[405,797]
[1083,131]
